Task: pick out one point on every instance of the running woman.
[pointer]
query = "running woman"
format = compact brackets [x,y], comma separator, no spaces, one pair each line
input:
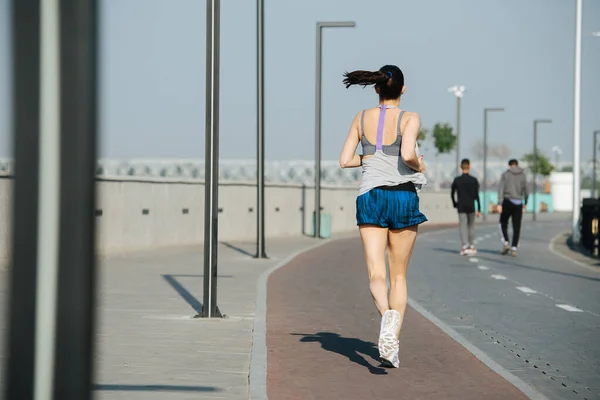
[512,201]
[466,187]
[387,206]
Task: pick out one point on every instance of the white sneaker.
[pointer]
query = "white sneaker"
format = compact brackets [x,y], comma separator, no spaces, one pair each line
[388,342]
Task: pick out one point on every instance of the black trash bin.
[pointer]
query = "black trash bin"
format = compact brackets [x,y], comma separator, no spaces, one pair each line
[589,226]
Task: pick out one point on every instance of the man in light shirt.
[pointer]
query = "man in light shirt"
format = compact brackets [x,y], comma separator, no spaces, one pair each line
[512,201]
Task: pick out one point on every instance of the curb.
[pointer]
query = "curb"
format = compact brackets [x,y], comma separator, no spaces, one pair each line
[553,250]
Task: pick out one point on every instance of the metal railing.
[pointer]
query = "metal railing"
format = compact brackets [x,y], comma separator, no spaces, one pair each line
[290,172]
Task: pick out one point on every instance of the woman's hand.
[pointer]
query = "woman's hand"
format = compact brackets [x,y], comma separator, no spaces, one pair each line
[422,165]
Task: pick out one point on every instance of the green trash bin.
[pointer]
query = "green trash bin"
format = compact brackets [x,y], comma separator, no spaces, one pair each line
[325,225]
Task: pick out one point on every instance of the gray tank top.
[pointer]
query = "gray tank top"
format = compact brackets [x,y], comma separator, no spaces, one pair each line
[385,166]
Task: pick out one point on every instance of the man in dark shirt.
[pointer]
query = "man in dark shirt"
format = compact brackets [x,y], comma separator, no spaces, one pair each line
[466,187]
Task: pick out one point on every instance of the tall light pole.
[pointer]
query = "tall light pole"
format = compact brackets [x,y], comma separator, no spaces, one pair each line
[596,34]
[211,163]
[576,127]
[535,161]
[320,26]
[260,131]
[485,149]
[596,133]
[458,91]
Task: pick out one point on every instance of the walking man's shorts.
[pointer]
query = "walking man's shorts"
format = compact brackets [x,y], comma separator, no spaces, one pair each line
[393,207]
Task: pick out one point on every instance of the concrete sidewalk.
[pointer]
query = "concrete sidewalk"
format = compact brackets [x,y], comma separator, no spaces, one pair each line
[149,346]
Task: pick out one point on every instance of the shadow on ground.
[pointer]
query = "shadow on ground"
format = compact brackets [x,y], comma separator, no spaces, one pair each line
[184,293]
[352,348]
[238,249]
[154,388]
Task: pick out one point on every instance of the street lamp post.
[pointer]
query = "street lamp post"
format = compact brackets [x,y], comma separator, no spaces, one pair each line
[260,131]
[596,34]
[575,234]
[485,148]
[535,161]
[320,26]
[576,126]
[458,91]
[211,185]
[596,133]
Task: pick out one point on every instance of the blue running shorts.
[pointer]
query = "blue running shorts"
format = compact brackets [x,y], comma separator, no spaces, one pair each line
[393,207]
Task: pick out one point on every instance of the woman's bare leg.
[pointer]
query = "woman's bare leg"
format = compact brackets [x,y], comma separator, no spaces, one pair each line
[374,240]
[400,247]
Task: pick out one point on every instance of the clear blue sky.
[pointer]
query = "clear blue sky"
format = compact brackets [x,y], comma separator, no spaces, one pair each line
[512,53]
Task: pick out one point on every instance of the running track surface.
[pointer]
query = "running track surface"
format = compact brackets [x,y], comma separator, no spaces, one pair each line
[322,329]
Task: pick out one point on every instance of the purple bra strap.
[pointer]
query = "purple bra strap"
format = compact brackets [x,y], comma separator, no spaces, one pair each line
[379,143]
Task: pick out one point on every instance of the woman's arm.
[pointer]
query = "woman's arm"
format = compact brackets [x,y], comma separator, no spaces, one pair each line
[349,158]
[409,142]
[356,161]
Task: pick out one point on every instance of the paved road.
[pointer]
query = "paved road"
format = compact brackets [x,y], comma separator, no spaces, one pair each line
[536,315]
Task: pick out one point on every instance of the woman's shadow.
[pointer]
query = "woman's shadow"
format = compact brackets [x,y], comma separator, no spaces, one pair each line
[352,348]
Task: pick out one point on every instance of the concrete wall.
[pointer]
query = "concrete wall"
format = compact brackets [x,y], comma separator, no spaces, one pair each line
[137,214]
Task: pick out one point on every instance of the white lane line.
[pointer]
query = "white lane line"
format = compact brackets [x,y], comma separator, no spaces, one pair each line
[482,268]
[502,277]
[487,236]
[551,248]
[525,289]
[473,259]
[558,300]
[568,308]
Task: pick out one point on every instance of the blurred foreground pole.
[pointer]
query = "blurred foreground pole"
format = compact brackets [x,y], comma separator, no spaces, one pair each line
[52,292]
[211,162]
[77,259]
[20,343]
